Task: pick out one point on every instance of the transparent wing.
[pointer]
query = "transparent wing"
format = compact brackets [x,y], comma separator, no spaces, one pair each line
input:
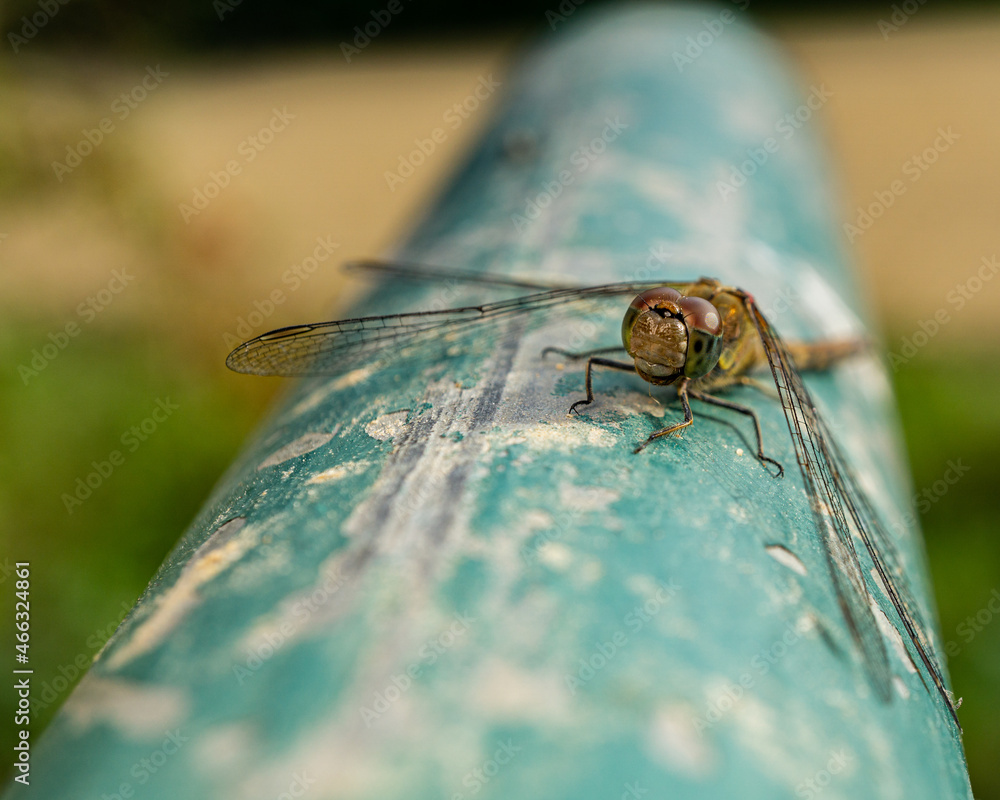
[330,348]
[888,564]
[842,511]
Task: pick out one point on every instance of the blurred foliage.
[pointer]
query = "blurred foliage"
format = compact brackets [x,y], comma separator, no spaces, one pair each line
[90,562]
[948,405]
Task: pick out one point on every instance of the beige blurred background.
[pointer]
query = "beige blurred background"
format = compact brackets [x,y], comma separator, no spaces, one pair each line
[323,175]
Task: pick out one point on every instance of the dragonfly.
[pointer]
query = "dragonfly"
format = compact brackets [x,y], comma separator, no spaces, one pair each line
[699,336]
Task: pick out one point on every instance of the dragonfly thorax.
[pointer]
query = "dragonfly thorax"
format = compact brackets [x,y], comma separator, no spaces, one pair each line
[669,335]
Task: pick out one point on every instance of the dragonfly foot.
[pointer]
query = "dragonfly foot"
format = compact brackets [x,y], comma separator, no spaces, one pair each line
[572,408]
[765,460]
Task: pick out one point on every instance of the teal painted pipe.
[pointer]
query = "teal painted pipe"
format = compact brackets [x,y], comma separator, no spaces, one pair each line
[423,580]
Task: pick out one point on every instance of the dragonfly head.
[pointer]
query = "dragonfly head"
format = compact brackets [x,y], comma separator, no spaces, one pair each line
[669,335]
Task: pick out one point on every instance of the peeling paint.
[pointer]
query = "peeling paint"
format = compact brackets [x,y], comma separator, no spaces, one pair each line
[388,426]
[786,557]
[304,444]
[508,692]
[555,436]
[173,604]
[674,741]
[555,555]
[138,711]
[340,472]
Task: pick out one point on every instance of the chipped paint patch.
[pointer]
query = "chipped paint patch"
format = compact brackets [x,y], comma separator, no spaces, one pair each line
[674,741]
[226,531]
[591,572]
[641,584]
[635,403]
[786,557]
[316,397]
[566,435]
[223,548]
[314,606]
[304,444]
[388,426]
[352,378]
[537,520]
[508,692]
[587,498]
[225,746]
[738,512]
[137,710]
[555,555]
[777,742]
[340,472]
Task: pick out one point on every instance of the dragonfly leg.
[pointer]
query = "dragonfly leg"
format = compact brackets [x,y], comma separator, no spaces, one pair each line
[682,393]
[716,401]
[585,354]
[599,362]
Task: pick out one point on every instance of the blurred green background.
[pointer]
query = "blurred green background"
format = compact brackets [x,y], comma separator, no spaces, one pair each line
[192,285]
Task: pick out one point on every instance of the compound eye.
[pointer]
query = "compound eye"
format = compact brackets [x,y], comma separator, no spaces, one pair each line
[701,315]
[704,336]
[662,297]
